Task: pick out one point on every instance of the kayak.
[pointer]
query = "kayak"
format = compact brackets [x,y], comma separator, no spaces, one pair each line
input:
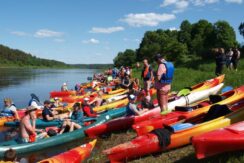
[124,123]
[61,93]
[208,84]
[64,138]
[151,143]
[229,97]
[75,155]
[194,97]
[222,140]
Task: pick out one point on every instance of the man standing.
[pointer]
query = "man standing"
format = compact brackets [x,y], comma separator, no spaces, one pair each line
[147,76]
[165,73]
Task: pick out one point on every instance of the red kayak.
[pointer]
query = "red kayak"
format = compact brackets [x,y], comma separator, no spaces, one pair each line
[75,155]
[223,140]
[61,93]
[176,135]
[144,127]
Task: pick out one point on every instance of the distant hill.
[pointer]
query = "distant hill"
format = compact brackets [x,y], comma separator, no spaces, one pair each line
[14,57]
[17,58]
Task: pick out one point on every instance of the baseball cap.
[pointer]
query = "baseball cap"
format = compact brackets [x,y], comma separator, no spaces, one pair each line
[132,97]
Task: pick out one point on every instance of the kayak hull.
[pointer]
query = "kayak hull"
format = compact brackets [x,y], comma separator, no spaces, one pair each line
[75,155]
[223,140]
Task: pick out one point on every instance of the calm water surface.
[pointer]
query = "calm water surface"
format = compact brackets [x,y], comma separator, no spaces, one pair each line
[19,83]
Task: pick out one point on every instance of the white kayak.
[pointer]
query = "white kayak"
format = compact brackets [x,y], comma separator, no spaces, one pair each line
[116,98]
[194,97]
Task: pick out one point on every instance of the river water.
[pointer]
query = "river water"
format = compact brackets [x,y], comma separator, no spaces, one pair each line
[19,83]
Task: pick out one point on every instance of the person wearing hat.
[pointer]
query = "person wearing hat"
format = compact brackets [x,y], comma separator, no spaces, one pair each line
[64,87]
[87,109]
[9,109]
[47,113]
[35,102]
[164,79]
[27,130]
[131,108]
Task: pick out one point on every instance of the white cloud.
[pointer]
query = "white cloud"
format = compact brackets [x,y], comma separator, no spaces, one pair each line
[131,40]
[203,2]
[91,41]
[44,33]
[147,19]
[234,1]
[106,30]
[173,29]
[19,33]
[59,40]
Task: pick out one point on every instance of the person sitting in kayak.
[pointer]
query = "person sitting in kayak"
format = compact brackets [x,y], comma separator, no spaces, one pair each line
[75,121]
[132,109]
[135,86]
[10,109]
[35,102]
[56,103]
[87,109]
[47,113]
[126,82]
[98,101]
[64,87]
[28,130]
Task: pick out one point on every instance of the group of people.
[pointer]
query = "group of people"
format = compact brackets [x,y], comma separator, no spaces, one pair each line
[161,80]
[230,59]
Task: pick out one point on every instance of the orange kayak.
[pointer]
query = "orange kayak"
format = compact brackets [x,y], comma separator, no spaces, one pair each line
[76,155]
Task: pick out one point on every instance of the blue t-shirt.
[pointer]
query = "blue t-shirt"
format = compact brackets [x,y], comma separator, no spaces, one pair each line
[77,116]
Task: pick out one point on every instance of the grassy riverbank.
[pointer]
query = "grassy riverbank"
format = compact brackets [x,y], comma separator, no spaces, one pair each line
[183,77]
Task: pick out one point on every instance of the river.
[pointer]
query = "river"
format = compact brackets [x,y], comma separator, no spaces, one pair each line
[19,83]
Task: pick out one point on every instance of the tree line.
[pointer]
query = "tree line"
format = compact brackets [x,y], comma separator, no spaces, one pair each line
[190,43]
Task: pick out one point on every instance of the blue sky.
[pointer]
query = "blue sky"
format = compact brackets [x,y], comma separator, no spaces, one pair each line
[94,31]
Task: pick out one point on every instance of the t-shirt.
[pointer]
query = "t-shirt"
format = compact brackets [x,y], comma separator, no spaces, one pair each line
[46,111]
[131,109]
[77,116]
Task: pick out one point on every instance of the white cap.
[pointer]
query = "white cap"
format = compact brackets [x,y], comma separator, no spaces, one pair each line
[86,99]
[148,98]
[64,84]
[56,98]
[132,97]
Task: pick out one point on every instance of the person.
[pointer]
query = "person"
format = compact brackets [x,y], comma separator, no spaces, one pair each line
[47,113]
[87,110]
[235,58]
[146,103]
[220,61]
[115,73]
[56,103]
[131,108]
[126,82]
[229,55]
[35,102]
[27,129]
[97,101]
[165,73]
[10,155]
[64,87]
[147,76]
[122,73]
[9,109]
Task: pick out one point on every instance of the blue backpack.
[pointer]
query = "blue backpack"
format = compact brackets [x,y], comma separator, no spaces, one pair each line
[168,76]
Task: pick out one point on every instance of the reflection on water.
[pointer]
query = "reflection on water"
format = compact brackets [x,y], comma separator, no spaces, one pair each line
[18,84]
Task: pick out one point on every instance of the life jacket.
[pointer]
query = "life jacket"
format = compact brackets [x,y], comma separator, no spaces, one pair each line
[129,112]
[168,76]
[147,73]
[7,112]
[91,110]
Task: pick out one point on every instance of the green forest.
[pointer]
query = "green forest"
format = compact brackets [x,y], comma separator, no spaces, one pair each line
[191,43]
[17,58]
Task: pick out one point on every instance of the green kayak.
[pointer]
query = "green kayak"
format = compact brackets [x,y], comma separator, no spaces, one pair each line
[59,139]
